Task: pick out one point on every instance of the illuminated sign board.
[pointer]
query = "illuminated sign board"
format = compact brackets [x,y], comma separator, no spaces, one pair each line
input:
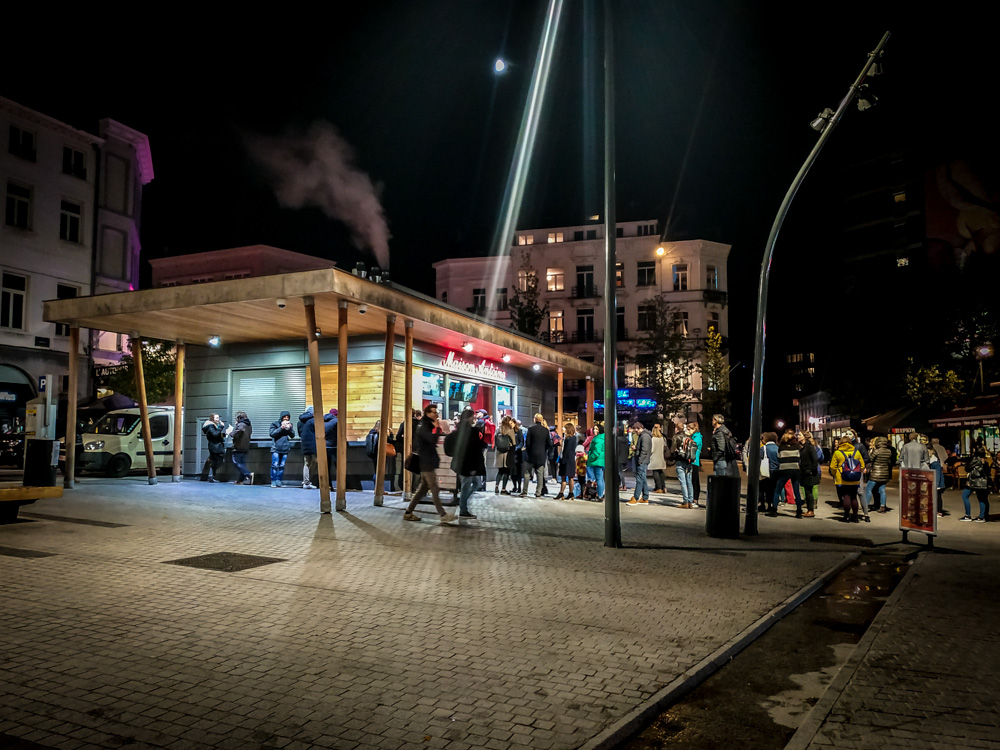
[482,369]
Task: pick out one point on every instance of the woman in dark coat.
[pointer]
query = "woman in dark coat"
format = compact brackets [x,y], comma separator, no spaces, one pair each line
[567,461]
[469,461]
[809,473]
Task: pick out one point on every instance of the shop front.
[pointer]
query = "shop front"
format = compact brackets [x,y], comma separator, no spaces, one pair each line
[977,423]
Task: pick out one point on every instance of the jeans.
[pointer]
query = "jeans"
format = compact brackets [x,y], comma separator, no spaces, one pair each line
[278,466]
[721,468]
[871,489]
[309,469]
[684,474]
[984,502]
[641,484]
[428,482]
[539,471]
[781,479]
[240,459]
[469,485]
[596,474]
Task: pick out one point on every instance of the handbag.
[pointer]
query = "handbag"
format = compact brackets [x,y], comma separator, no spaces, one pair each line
[412,463]
[390,450]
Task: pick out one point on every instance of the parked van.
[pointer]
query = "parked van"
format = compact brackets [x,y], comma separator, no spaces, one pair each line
[114,444]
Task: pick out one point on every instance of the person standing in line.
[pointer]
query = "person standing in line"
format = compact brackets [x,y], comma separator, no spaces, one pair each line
[469,461]
[847,469]
[788,472]
[913,454]
[504,443]
[769,464]
[371,448]
[879,474]
[215,432]
[978,482]
[643,453]
[517,470]
[658,461]
[694,434]
[809,473]
[241,446]
[330,437]
[595,460]
[281,443]
[425,446]
[555,446]
[401,447]
[581,470]
[938,458]
[536,451]
[567,461]
[626,451]
[720,442]
[306,428]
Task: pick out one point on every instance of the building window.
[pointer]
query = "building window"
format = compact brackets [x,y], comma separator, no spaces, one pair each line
[74,162]
[22,143]
[585,324]
[64,291]
[18,206]
[681,323]
[680,277]
[12,302]
[713,277]
[69,221]
[522,280]
[478,299]
[647,317]
[619,231]
[112,260]
[444,296]
[647,273]
[502,301]
[554,279]
[555,236]
[556,331]
[591,234]
[525,239]
[578,235]
[713,322]
[622,333]
[620,275]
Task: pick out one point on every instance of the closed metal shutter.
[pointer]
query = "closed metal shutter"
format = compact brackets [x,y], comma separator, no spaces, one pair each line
[264,394]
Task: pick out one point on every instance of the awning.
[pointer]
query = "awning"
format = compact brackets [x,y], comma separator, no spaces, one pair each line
[981,411]
[902,420]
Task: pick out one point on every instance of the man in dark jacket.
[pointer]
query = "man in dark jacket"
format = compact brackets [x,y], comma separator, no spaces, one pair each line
[215,432]
[643,453]
[469,461]
[241,445]
[307,439]
[425,446]
[536,450]
[281,443]
[330,432]
[720,438]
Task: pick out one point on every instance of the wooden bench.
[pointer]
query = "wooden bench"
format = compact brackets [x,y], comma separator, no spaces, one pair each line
[12,498]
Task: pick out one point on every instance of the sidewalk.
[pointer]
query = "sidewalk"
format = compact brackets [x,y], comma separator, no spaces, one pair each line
[518,629]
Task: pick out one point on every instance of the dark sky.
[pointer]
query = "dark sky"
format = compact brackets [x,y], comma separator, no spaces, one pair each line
[714,100]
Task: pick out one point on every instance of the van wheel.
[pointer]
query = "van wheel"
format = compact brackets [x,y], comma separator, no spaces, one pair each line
[119,465]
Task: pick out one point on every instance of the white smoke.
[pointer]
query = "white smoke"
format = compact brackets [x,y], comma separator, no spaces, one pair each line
[316,168]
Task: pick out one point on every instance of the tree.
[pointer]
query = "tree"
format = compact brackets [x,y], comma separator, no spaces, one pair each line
[934,388]
[157,368]
[666,355]
[714,376]
[526,315]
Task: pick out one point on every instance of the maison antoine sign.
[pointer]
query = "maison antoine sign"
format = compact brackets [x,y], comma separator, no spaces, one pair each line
[482,369]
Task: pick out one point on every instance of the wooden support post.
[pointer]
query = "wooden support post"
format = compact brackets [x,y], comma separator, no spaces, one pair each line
[342,406]
[383,434]
[140,386]
[590,403]
[408,409]
[69,469]
[319,414]
[559,401]
[177,472]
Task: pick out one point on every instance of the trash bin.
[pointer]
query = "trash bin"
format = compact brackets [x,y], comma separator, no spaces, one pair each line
[722,515]
[41,458]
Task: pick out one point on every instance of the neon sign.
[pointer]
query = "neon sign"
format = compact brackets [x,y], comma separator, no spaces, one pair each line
[483,369]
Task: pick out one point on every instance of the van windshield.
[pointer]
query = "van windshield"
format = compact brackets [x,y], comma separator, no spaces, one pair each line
[116,424]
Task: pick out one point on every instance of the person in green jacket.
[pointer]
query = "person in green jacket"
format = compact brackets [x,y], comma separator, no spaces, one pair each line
[595,461]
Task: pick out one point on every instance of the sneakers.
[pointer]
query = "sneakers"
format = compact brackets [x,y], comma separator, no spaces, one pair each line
[274,484]
[504,492]
[965,518]
[411,517]
[684,505]
[278,482]
[980,519]
[467,515]
[447,518]
[695,505]
[809,514]
[632,501]
[644,501]
[309,486]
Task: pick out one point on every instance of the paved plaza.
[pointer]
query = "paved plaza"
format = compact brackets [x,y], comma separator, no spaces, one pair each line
[517,629]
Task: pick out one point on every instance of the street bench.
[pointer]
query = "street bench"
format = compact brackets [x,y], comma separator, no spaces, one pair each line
[12,498]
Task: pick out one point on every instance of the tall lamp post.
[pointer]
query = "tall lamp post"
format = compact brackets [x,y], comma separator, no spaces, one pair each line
[983,351]
[824,124]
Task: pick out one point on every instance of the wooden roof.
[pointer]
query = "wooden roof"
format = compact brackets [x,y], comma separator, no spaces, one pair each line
[246,310]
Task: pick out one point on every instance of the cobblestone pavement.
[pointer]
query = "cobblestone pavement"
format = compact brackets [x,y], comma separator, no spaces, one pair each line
[519,629]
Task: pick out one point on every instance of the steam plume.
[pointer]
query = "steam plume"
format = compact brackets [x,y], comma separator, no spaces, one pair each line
[316,168]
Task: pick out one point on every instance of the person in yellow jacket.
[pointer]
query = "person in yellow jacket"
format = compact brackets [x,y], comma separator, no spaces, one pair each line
[847,469]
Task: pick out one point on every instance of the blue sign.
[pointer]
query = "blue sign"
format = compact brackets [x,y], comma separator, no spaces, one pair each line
[41,384]
[645,403]
[623,393]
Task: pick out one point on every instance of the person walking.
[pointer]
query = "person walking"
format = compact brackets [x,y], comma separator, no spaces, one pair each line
[978,482]
[658,461]
[788,472]
[241,446]
[469,461]
[306,428]
[809,473]
[281,443]
[879,474]
[847,469]
[536,450]
[504,442]
[425,446]
[595,460]
[643,454]
[215,431]
[720,451]
[567,461]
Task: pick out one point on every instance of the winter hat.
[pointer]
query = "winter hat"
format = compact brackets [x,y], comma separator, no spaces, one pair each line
[334,412]
[580,449]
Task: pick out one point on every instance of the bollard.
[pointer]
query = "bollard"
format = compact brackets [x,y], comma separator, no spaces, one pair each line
[722,514]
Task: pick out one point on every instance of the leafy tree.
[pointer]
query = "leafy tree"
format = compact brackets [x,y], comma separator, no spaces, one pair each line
[158,359]
[934,388]
[667,356]
[526,314]
[714,376]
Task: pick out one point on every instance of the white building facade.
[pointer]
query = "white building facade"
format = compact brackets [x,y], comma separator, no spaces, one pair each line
[569,264]
[71,228]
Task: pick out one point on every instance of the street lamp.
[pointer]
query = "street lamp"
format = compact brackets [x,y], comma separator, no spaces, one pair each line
[983,351]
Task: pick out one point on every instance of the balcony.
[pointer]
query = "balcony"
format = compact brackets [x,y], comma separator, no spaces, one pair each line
[586,291]
[583,336]
[715,295]
[554,337]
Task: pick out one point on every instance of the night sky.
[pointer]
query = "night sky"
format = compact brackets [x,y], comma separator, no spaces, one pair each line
[714,101]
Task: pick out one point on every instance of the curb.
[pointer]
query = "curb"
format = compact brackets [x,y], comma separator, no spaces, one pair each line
[625,727]
[817,715]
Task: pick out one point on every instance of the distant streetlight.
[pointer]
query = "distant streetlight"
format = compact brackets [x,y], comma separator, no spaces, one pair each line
[499,66]
[983,351]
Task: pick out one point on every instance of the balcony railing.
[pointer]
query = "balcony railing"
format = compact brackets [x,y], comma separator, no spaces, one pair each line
[586,290]
[716,295]
[583,335]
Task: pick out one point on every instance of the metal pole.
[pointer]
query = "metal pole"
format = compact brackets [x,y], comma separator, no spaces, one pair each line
[612,512]
[753,469]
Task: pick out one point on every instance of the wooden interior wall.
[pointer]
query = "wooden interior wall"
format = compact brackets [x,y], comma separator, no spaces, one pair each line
[364,394]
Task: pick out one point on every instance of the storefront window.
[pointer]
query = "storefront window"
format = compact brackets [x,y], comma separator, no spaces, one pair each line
[432,389]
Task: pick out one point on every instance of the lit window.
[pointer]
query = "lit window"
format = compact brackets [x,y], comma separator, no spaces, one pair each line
[620,275]
[12,301]
[69,221]
[555,236]
[899,197]
[556,331]
[525,239]
[554,279]
[681,323]
[18,206]
[680,277]
[522,280]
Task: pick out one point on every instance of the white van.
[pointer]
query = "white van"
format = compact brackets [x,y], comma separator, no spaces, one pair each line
[114,444]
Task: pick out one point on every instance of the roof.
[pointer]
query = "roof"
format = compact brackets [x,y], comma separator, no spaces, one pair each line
[903,419]
[246,310]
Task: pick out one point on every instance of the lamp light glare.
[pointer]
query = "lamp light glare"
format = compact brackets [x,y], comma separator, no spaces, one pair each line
[499,66]
[467,347]
[661,251]
[214,340]
[505,358]
[536,367]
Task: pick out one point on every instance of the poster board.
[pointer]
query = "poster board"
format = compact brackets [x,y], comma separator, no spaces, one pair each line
[917,506]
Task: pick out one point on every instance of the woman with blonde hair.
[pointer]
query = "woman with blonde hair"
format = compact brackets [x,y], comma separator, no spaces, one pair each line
[504,442]
[658,461]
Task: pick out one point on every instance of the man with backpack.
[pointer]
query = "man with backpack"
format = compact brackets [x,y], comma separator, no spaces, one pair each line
[724,450]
